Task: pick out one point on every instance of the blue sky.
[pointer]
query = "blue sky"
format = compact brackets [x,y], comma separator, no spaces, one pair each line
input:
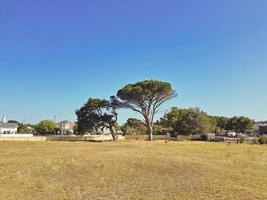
[54,54]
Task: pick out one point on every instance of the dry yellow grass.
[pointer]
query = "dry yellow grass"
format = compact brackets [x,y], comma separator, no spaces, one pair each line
[132,170]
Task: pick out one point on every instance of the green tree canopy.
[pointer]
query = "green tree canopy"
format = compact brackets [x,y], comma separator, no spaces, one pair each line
[13,121]
[193,121]
[134,126]
[189,121]
[222,123]
[24,128]
[145,98]
[239,124]
[244,124]
[46,127]
[96,114]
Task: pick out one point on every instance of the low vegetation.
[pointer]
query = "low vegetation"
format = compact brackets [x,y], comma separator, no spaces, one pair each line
[262,140]
[132,170]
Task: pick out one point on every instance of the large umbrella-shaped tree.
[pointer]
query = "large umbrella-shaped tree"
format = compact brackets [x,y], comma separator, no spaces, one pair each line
[144,97]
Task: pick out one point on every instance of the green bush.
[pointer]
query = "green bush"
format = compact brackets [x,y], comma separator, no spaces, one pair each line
[262,140]
[197,137]
[241,139]
[204,138]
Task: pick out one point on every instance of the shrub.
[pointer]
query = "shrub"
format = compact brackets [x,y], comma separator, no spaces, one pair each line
[241,139]
[262,140]
[204,138]
[196,137]
[46,127]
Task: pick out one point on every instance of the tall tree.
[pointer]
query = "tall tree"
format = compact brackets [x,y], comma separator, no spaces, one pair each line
[232,124]
[244,124]
[222,123]
[145,97]
[97,114]
[239,124]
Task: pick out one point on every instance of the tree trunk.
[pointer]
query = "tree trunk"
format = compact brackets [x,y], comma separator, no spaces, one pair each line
[113,134]
[149,126]
[150,133]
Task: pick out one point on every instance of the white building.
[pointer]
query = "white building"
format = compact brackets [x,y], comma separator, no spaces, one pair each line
[8,128]
[66,127]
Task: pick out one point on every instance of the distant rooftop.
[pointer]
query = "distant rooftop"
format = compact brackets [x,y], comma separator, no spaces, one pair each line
[66,122]
[8,125]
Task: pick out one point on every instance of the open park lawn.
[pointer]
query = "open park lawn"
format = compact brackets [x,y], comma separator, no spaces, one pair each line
[132,170]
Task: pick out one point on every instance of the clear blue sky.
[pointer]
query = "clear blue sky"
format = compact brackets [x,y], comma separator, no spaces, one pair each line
[54,54]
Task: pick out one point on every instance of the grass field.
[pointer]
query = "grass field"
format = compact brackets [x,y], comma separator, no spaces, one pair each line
[132,170]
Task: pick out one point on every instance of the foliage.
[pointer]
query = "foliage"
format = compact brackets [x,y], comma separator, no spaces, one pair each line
[195,121]
[46,127]
[134,126]
[204,138]
[145,97]
[221,123]
[13,121]
[262,140]
[239,124]
[24,128]
[241,139]
[75,129]
[117,127]
[189,121]
[158,129]
[197,137]
[96,114]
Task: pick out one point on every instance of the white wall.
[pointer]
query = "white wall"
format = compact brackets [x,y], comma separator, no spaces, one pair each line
[15,135]
[22,139]
[12,130]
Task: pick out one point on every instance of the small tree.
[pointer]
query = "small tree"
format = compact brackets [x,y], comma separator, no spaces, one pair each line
[145,97]
[23,128]
[97,114]
[134,126]
[46,127]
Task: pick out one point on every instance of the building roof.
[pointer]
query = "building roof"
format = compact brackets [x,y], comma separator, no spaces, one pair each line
[8,125]
[65,122]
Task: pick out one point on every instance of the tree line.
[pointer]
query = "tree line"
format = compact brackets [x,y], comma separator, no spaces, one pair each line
[196,121]
[146,98]
[191,121]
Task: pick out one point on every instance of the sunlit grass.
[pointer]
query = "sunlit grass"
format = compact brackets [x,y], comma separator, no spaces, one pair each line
[132,170]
